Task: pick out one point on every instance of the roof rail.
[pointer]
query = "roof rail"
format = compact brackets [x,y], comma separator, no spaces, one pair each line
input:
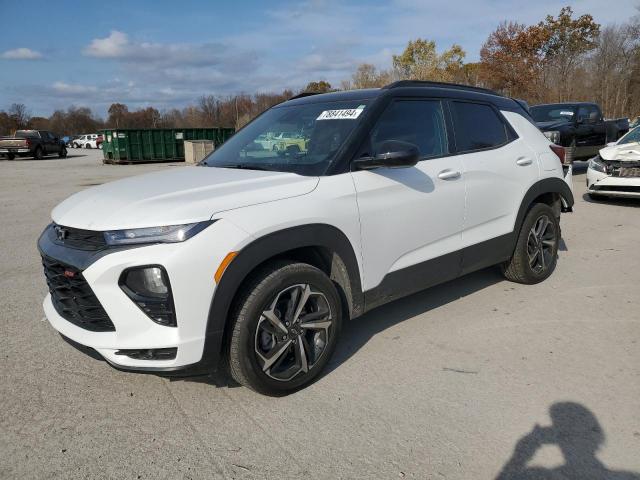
[428,83]
[304,94]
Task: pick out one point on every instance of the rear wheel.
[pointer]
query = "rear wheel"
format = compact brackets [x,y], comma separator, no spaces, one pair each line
[63,152]
[11,156]
[38,154]
[88,145]
[536,252]
[285,328]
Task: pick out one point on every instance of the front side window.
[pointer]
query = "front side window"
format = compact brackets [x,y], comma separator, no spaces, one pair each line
[477,127]
[419,122]
[632,137]
[302,139]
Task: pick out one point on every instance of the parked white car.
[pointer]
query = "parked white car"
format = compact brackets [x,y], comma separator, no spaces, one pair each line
[253,261]
[86,141]
[615,171]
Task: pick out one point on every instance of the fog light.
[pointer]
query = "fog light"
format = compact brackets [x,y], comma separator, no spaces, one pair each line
[150,290]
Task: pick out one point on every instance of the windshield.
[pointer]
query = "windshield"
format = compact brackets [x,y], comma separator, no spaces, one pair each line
[302,139]
[632,137]
[26,134]
[549,113]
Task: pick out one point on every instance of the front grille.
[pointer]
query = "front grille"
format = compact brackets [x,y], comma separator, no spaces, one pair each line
[626,172]
[78,238]
[73,298]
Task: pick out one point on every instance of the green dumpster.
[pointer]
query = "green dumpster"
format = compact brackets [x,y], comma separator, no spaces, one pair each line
[138,145]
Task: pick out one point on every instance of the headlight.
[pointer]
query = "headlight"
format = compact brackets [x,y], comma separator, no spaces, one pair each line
[553,136]
[596,164]
[166,234]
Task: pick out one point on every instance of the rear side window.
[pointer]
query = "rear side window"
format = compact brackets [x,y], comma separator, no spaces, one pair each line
[477,127]
[420,122]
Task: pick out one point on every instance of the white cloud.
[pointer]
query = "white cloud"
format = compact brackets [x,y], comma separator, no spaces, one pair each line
[114,46]
[73,89]
[21,54]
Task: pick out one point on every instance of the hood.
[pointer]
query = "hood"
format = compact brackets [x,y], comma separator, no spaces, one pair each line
[176,196]
[629,152]
[552,124]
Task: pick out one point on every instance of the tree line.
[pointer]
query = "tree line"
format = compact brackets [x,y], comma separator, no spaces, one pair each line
[561,58]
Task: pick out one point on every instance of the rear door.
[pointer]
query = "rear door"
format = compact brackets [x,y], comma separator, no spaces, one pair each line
[499,168]
[411,218]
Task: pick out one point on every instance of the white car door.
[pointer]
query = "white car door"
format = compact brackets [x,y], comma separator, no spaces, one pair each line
[410,216]
[498,168]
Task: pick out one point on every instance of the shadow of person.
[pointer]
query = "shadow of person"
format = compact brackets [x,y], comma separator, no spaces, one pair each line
[576,431]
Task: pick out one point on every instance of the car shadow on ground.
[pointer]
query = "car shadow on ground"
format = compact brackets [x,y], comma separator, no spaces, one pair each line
[617,201]
[51,157]
[357,333]
[575,430]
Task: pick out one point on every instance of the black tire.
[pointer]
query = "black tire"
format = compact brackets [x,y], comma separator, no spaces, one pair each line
[38,154]
[88,146]
[11,156]
[271,290]
[63,152]
[521,268]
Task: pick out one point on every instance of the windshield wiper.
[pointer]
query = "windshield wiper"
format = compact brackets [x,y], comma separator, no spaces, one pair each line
[244,166]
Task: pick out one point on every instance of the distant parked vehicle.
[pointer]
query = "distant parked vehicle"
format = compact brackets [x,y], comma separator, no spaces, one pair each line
[579,127]
[615,171]
[86,141]
[99,141]
[71,141]
[32,143]
[634,123]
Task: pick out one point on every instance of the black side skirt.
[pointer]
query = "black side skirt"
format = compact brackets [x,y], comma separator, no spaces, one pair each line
[438,270]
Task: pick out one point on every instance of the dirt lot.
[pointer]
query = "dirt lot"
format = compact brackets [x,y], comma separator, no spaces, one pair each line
[448,383]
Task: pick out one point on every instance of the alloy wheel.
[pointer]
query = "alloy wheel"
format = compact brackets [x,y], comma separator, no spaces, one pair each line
[541,244]
[293,332]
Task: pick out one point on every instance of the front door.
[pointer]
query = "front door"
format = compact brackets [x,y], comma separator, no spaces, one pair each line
[410,218]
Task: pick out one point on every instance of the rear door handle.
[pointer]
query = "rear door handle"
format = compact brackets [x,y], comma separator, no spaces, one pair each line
[524,161]
[449,174]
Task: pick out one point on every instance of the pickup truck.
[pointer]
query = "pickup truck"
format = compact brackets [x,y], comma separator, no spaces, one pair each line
[578,126]
[32,143]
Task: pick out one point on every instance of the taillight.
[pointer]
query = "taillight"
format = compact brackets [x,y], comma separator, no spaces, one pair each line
[559,151]
[28,142]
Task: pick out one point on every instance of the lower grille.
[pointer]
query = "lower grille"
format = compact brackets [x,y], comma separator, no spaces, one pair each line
[617,188]
[73,298]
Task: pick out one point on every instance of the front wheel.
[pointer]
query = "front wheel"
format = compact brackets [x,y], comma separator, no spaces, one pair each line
[285,328]
[536,252]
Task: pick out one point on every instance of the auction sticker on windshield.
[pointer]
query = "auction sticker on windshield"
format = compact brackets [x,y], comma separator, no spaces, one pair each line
[344,114]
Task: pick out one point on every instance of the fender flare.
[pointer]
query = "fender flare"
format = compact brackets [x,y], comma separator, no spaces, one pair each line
[546,185]
[261,250]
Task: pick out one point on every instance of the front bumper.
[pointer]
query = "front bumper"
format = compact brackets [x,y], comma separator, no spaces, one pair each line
[599,183]
[190,265]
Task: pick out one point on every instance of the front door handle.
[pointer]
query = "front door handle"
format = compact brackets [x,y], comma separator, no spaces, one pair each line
[524,161]
[449,174]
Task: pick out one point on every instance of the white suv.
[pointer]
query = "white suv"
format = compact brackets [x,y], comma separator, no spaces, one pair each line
[253,260]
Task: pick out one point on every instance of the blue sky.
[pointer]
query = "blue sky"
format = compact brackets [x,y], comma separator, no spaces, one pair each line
[168,53]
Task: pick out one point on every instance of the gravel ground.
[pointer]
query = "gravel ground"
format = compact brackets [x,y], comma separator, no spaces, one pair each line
[462,381]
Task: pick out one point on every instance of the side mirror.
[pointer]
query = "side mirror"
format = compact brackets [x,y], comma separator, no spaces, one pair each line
[394,154]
